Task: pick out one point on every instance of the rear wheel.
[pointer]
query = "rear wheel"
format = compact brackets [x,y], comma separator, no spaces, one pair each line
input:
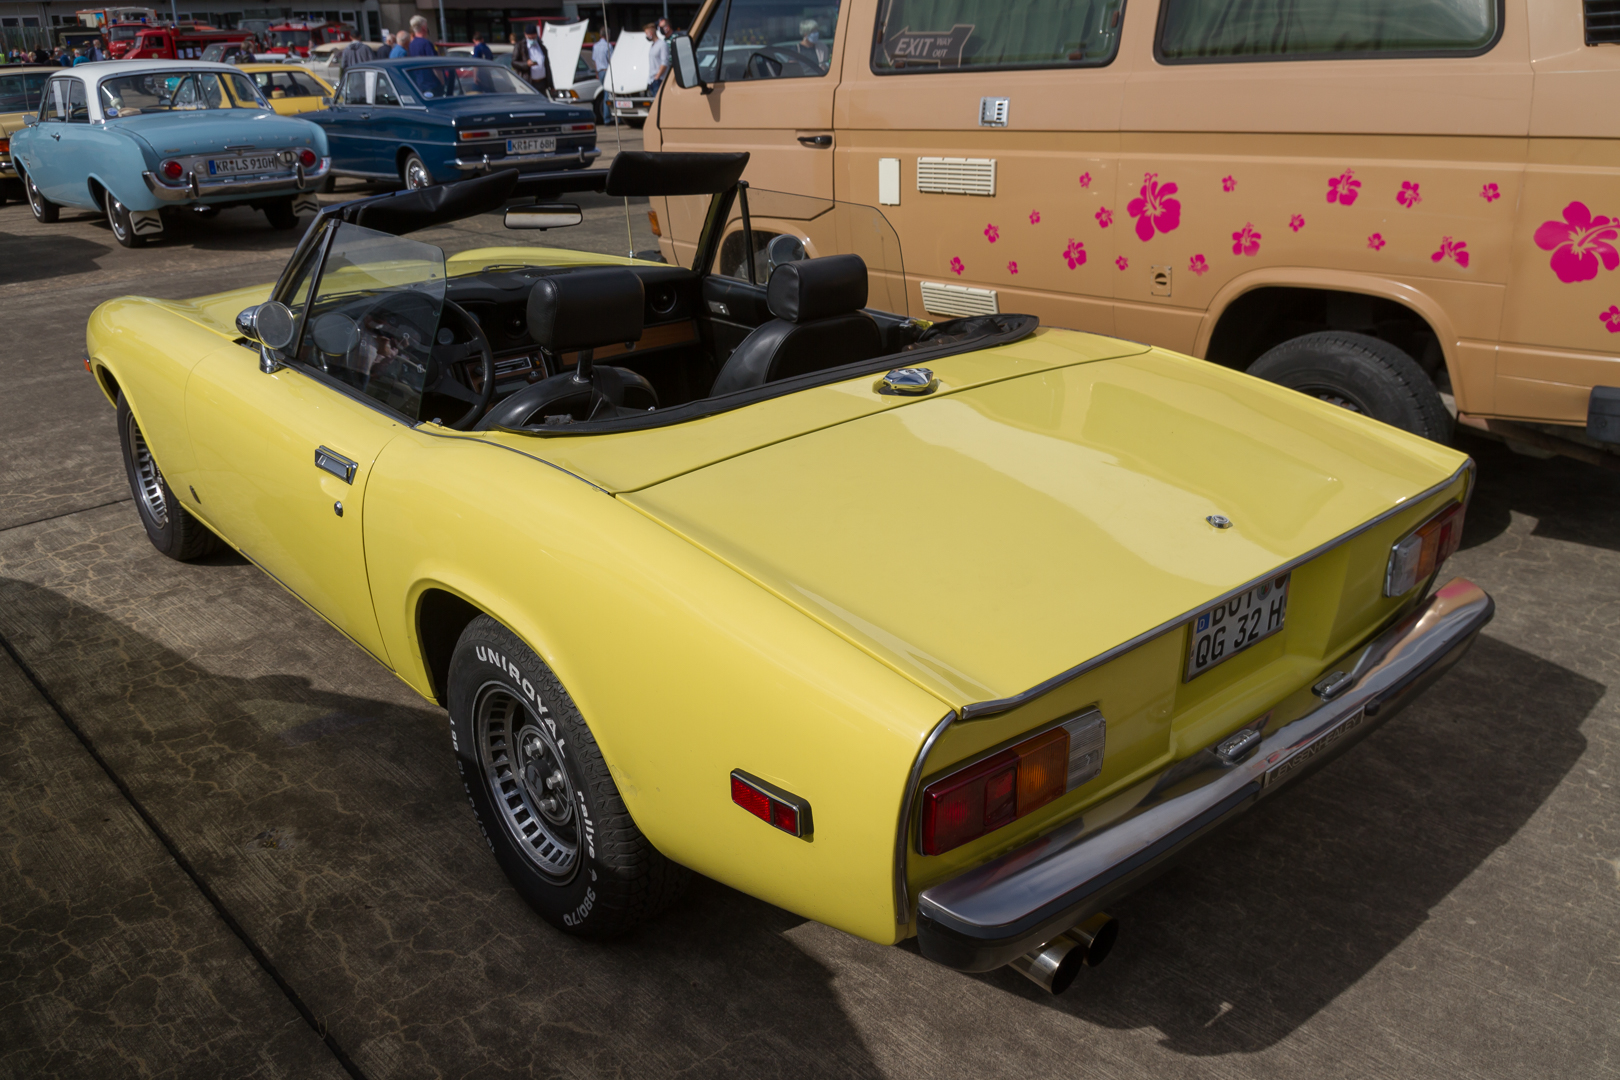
[281,214]
[415,173]
[45,211]
[543,795]
[123,229]
[1362,374]
[171,529]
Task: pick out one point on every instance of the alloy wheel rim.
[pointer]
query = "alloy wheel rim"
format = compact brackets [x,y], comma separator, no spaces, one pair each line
[36,201]
[113,207]
[148,479]
[416,176]
[527,781]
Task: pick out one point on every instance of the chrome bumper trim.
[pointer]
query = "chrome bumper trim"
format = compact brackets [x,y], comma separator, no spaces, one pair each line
[580,156]
[191,188]
[982,919]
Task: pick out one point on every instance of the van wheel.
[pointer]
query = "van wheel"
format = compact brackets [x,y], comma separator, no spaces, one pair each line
[1362,374]
[45,211]
[171,529]
[543,795]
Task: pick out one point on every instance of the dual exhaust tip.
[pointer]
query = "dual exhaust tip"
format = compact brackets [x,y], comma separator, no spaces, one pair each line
[1054,965]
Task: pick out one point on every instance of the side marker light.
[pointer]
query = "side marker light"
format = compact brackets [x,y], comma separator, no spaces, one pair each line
[771,804]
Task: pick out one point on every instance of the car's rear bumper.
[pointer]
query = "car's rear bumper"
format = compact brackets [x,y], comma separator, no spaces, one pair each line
[192,188]
[577,158]
[984,918]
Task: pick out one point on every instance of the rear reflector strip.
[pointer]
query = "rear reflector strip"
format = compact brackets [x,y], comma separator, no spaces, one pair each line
[771,804]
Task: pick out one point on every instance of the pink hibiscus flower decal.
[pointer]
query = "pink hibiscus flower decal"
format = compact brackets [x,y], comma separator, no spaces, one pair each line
[1227,183]
[1456,251]
[1297,222]
[1611,319]
[1105,217]
[992,233]
[957,266]
[1085,179]
[1490,193]
[1408,195]
[1012,268]
[1122,262]
[1076,254]
[1154,209]
[1246,242]
[1376,241]
[1578,242]
[1198,266]
[1034,217]
[1344,188]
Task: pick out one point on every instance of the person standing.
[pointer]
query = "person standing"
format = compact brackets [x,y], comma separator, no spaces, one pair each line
[400,41]
[602,59]
[480,50]
[355,52]
[421,44]
[533,66]
[657,59]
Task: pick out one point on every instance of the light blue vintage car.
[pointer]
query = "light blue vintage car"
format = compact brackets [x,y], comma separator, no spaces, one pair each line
[133,138]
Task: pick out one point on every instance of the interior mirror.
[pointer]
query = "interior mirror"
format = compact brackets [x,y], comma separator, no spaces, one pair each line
[544,216]
[685,57]
[785,248]
[271,324]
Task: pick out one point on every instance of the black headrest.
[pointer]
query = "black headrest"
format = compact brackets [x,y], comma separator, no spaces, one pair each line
[812,289]
[585,309]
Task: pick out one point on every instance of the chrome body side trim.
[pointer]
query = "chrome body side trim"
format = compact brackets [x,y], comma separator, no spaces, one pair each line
[558,159]
[902,890]
[993,913]
[981,709]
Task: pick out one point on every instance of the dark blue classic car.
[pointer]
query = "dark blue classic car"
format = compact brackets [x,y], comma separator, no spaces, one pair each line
[430,120]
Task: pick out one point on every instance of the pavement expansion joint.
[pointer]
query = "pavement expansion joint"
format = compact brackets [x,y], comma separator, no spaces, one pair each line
[65,513]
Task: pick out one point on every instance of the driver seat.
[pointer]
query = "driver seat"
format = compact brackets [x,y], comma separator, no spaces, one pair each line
[818,325]
[583,310]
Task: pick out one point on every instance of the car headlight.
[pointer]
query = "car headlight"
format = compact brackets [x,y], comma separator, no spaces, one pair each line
[1420,552]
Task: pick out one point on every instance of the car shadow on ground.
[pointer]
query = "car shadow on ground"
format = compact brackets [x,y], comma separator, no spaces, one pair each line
[24,258]
[336,831]
[1264,925]
[1569,499]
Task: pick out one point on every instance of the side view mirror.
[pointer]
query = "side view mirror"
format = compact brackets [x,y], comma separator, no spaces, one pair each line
[271,324]
[785,248]
[30,120]
[544,216]
[326,102]
[686,67]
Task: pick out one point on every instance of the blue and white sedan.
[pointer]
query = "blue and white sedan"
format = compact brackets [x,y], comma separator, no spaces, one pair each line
[429,120]
[134,138]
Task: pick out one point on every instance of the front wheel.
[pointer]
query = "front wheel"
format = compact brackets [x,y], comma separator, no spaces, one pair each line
[1361,374]
[415,173]
[281,214]
[123,229]
[542,793]
[171,529]
[45,211]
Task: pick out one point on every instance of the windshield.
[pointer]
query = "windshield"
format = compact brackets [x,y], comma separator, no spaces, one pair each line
[448,80]
[20,93]
[289,37]
[374,316]
[123,33]
[176,91]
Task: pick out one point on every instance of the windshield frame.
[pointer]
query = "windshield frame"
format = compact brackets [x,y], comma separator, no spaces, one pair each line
[498,71]
[232,81]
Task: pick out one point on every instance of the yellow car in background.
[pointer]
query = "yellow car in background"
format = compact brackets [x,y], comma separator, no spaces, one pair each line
[951,630]
[20,88]
[289,89]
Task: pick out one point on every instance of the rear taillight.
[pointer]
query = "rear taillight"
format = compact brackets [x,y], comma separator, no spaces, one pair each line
[306,157]
[1421,552]
[771,804]
[1000,789]
[172,170]
[581,127]
[465,135]
[5,146]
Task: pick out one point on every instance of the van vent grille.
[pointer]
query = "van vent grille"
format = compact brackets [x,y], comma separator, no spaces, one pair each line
[960,176]
[941,298]
[1602,22]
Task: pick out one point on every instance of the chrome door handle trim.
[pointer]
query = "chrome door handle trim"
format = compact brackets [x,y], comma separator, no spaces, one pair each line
[336,464]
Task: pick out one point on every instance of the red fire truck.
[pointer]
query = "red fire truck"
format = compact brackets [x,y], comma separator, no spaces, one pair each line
[299,38]
[184,42]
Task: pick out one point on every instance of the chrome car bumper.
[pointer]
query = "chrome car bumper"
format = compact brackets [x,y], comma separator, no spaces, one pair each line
[561,160]
[191,188]
[984,918]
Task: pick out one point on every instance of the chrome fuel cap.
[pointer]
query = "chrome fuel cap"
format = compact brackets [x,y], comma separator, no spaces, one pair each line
[908,380]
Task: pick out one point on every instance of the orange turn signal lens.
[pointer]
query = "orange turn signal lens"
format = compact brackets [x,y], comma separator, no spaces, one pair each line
[1422,551]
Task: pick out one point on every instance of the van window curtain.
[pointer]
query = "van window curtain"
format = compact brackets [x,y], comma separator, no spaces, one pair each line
[1274,29]
[957,35]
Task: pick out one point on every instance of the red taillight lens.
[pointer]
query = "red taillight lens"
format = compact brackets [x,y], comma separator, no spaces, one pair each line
[476,134]
[307,157]
[995,792]
[172,170]
[1422,551]
[5,146]
[771,804]
[581,127]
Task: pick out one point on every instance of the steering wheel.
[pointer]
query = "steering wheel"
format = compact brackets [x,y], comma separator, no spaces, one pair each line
[466,340]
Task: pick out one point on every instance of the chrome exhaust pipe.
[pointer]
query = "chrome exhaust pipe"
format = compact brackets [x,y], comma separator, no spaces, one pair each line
[1054,965]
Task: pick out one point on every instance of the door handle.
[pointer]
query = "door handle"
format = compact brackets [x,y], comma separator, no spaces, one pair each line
[365,116]
[820,142]
[336,464]
[57,135]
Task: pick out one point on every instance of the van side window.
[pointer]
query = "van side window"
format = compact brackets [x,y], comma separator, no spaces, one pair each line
[1205,31]
[767,39]
[915,36]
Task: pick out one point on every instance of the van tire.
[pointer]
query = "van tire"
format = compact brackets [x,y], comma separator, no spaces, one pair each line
[1362,374]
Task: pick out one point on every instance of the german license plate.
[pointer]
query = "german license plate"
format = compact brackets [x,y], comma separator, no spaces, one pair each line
[238,166]
[1223,631]
[531,146]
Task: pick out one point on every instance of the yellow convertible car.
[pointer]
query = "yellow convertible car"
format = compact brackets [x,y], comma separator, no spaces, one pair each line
[954,630]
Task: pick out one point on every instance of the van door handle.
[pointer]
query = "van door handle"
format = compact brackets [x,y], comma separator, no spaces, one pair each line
[821,142]
[336,464]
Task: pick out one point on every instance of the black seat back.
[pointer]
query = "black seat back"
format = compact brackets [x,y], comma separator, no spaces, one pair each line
[586,309]
[818,325]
